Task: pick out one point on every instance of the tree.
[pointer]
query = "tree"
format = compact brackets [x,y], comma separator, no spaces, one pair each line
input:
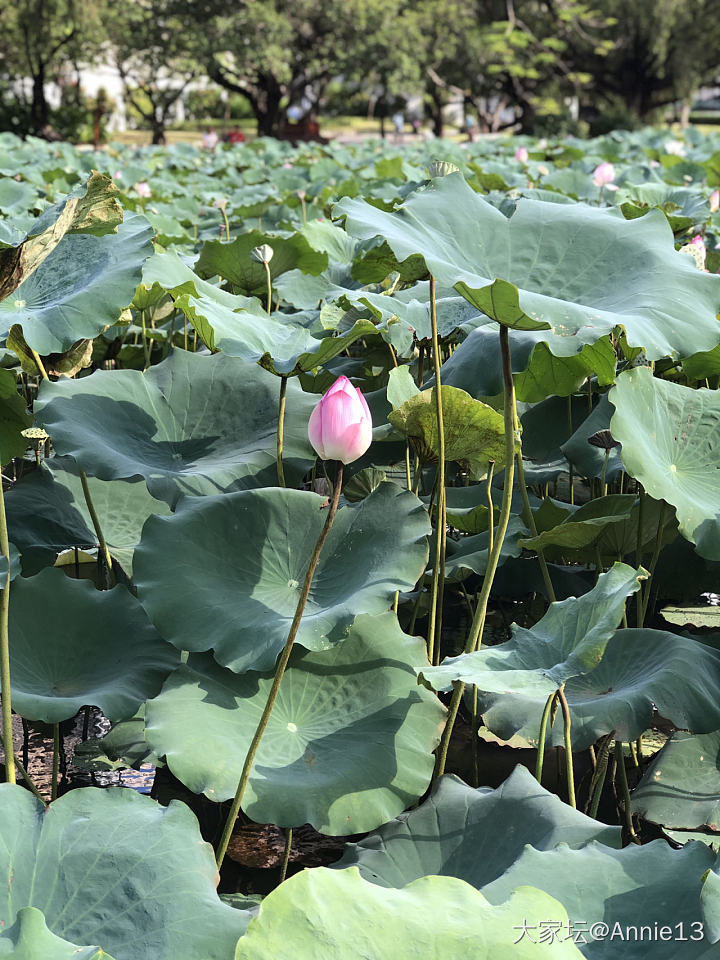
[39,38]
[154,46]
[660,53]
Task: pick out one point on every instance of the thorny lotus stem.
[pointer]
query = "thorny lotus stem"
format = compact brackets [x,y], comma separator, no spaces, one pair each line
[530,521]
[653,561]
[55,762]
[620,763]
[269,287]
[491,506]
[638,553]
[281,431]
[564,706]
[286,854]
[598,778]
[279,671]
[96,525]
[435,616]
[571,473]
[5,688]
[476,630]
[603,474]
[551,700]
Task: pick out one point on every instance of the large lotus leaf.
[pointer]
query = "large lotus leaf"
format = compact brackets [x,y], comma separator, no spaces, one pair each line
[584,527]
[161,426]
[640,671]
[92,208]
[412,308]
[579,270]
[29,939]
[47,513]
[226,572]
[52,680]
[474,835]
[80,288]
[547,375]
[681,787]
[703,364]
[115,868]
[608,891]
[670,438]
[683,206]
[14,418]
[436,918]
[569,640]
[232,261]
[474,432]
[348,745]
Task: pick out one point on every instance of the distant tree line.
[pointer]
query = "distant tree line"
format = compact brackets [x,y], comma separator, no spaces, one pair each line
[510,62]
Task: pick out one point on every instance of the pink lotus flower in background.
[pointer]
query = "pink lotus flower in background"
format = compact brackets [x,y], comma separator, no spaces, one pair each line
[715,201]
[603,174]
[117,175]
[340,426]
[697,241]
[143,189]
[521,154]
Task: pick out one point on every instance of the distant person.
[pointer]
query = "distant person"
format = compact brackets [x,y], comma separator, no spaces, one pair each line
[236,136]
[398,120]
[470,127]
[415,123]
[294,113]
[210,139]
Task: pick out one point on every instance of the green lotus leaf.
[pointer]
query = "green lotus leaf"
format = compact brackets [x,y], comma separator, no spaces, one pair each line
[434,918]
[703,364]
[14,418]
[587,459]
[474,835]
[80,288]
[412,308]
[683,206]
[650,887]
[343,758]
[670,438]
[226,572]
[52,681]
[29,939]
[232,261]
[681,787]
[47,513]
[640,671]
[115,868]
[92,208]
[574,270]
[470,554]
[160,426]
[547,375]
[474,432]
[584,527]
[401,386]
[123,746]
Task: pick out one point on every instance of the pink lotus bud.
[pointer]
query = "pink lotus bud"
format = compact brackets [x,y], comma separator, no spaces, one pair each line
[543,170]
[117,175]
[143,189]
[698,241]
[521,154]
[340,426]
[715,201]
[603,174]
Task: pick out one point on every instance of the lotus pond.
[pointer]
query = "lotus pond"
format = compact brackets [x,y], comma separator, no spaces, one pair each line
[360,539]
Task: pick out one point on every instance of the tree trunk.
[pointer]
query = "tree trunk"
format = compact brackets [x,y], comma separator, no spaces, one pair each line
[158,131]
[39,112]
[436,111]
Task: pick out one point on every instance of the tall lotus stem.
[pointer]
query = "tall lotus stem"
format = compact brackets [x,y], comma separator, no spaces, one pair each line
[620,765]
[279,672]
[435,617]
[264,254]
[104,549]
[530,521]
[564,706]
[546,714]
[280,431]
[476,630]
[5,688]
[286,854]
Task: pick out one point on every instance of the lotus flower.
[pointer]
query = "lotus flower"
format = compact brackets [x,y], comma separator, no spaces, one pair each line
[340,426]
[521,154]
[715,201]
[143,189]
[603,174]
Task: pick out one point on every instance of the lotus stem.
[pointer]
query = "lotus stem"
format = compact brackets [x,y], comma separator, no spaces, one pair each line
[55,762]
[24,774]
[281,431]
[571,474]
[476,630]
[551,700]
[5,688]
[408,477]
[491,507]
[286,853]
[638,553]
[598,779]
[146,346]
[104,550]
[653,561]
[279,672]
[603,472]
[620,763]
[564,706]
[435,616]
[269,287]
[227,222]
[530,521]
